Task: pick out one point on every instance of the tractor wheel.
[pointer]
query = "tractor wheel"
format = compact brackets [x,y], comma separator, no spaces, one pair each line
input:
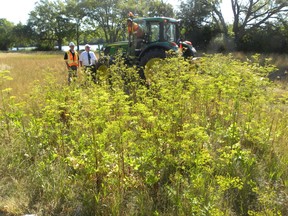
[148,60]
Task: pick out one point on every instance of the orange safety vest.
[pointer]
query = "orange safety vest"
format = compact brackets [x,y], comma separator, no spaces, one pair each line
[133,28]
[72,61]
[136,30]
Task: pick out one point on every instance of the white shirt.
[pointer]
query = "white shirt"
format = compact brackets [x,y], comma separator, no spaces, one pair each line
[84,58]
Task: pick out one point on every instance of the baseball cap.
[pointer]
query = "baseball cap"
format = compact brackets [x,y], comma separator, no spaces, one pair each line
[87,45]
[71,44]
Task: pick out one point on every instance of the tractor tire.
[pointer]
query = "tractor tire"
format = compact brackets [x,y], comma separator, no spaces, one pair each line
[147,61]
[188,53]
[102,70]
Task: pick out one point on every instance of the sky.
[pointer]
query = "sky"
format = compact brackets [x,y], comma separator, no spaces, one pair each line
[18,10]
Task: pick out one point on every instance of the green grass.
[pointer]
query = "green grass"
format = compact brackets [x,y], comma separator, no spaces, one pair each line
[205,138]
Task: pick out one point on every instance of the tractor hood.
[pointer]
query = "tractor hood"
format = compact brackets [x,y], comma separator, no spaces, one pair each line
[113,48]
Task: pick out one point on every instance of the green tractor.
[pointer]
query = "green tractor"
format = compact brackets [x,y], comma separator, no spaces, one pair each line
[149,39]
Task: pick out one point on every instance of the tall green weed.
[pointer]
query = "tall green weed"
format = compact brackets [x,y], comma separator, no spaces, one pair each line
[204,138]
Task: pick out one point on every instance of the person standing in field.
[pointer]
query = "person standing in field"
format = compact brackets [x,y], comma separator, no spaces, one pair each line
[88,60]
[71,58]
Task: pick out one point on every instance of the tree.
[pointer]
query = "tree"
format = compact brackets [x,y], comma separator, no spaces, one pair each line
[49,23]
[22,35]
[76,12]
[146,8]
[197,17]
[106,17]
[251,14]
[6,28]
[283,20]
[159,8]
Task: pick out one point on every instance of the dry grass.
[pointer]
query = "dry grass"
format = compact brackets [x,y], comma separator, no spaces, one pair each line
[279,60]
[25,68]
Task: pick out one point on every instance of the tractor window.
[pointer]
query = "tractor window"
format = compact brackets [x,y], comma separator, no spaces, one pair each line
[170,32]
[155,32]
[141,29]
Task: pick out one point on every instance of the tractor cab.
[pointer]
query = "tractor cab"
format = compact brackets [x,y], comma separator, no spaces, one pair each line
[151,33]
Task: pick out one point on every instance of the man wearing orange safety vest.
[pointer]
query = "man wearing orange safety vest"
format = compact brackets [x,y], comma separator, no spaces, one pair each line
[135,33]
[71,58]
[133,28]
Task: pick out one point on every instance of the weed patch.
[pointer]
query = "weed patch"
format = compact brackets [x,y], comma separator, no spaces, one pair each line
[204,138]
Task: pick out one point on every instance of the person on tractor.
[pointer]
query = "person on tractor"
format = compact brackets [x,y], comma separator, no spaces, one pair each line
[134,28]
[136,36]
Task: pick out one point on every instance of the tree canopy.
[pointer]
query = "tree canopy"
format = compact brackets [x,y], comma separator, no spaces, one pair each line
[248,16]
[55,22]
[5,30]
[253,14]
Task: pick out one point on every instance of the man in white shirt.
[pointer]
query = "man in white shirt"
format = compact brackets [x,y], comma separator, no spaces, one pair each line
[88,60]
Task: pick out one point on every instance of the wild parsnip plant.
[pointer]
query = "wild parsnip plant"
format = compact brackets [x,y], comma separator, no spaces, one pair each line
[203,138]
